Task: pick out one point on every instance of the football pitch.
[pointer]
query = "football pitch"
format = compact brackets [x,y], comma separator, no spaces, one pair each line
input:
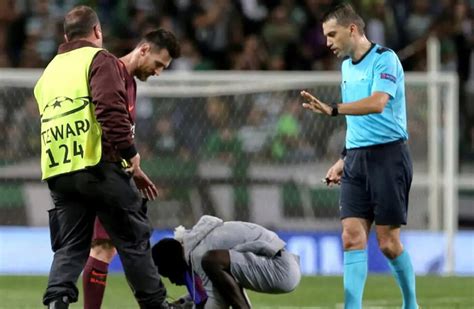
[313,292]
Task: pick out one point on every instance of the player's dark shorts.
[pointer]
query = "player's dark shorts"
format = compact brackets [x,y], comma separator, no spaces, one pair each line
[376,183]
[99,232]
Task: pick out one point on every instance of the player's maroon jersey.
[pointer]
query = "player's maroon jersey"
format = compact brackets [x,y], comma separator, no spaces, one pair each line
[131,87]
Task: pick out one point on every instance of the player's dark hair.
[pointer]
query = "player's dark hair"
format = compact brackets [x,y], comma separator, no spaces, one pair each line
[79,22]
[345,15]
[168,256]
[162,38]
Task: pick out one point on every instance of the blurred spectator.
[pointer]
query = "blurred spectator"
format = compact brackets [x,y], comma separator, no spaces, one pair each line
[296,13]
[253,14]
[12,33]
[170,165]
[43,30]
[254,133]
[217,113]
[215,26]
[419,20]
[190,58]
[125,27]
[253,55]
[381,27]
[313,49]
[279,32]
[248,35]
[288,144]
[5,8]
[401,10]
[221,141]
[375,27]
[225,34]
[463,32]
[224,145]
[165,142]
[463,40]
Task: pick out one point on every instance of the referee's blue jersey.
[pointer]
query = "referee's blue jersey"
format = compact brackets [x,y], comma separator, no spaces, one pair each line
[378,70]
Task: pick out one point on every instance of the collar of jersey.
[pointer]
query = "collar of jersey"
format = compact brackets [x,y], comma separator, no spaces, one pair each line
[366,53]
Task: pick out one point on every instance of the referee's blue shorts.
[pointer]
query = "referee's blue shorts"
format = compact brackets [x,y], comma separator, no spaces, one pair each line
[376,183]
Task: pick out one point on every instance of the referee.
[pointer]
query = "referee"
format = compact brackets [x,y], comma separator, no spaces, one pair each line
[376,169]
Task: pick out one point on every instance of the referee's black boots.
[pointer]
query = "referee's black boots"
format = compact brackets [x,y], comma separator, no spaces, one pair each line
[59,303]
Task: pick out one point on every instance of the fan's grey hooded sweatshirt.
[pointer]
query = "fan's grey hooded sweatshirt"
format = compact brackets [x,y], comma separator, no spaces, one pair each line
[258,259]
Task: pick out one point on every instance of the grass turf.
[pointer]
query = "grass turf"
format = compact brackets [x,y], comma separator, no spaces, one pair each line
[313,292]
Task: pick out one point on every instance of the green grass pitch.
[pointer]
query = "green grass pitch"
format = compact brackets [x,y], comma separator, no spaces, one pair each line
[313,292]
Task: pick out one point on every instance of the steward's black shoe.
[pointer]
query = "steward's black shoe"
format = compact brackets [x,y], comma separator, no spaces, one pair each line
[59,303]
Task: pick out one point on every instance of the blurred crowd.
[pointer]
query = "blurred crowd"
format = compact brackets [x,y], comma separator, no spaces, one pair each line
[248,35]
[238,34]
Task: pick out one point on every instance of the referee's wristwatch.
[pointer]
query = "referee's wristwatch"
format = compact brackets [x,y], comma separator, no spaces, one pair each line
[335,111]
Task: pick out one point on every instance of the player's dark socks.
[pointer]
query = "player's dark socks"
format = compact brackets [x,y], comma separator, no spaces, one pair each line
[94,280]
[216,264]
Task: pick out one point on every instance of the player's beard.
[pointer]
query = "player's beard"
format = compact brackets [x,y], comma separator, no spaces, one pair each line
[143,76]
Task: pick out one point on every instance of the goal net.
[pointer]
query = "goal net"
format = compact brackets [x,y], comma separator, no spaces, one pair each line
[237,145]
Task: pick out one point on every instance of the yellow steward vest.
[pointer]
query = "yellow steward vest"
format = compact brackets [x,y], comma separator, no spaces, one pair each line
[70,133]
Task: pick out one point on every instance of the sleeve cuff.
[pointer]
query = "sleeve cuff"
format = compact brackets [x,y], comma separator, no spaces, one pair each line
[128,153]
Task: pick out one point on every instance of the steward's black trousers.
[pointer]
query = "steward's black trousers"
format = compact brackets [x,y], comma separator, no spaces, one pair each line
[107,191]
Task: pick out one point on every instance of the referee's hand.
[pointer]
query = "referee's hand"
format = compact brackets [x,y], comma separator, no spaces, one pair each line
[334,174]
[315,105]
